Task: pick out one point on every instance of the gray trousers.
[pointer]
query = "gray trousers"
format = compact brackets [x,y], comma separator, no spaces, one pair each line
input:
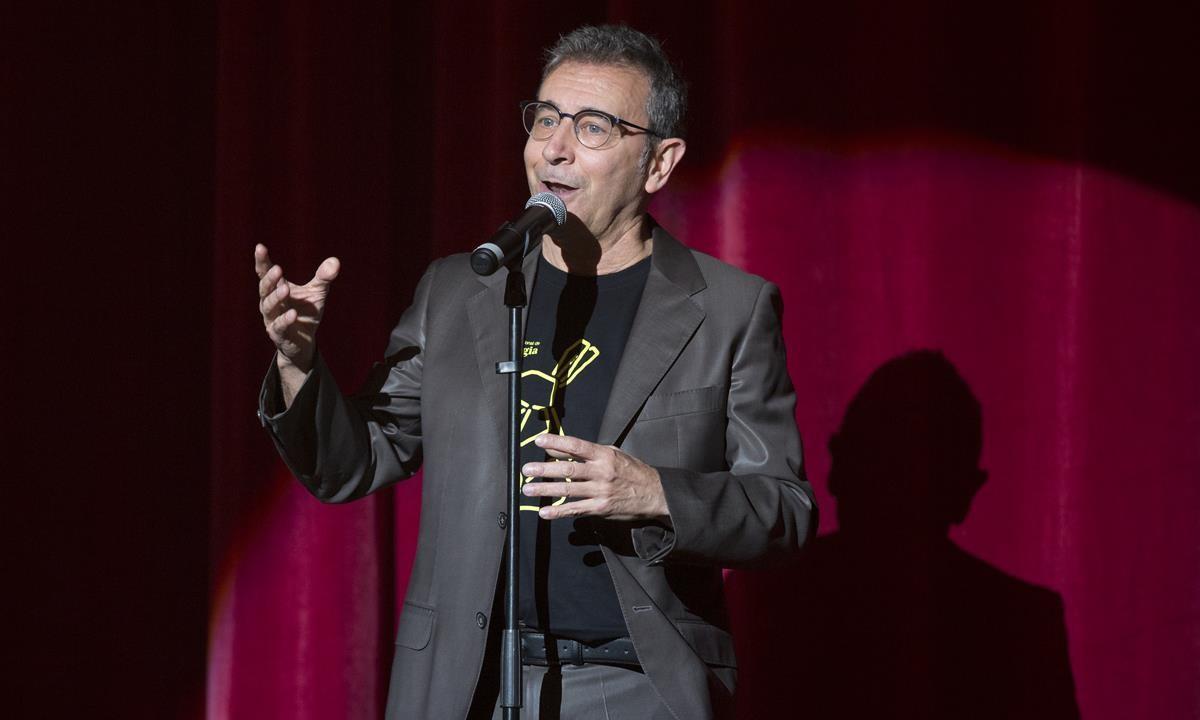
[587,692]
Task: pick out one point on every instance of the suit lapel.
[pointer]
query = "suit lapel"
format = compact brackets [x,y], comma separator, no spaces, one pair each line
[666,319]
[489,326]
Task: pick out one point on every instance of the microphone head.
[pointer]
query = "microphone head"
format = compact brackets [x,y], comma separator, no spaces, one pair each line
[551,202]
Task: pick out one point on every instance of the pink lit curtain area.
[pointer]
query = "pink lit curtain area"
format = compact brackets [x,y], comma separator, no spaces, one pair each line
[980,218]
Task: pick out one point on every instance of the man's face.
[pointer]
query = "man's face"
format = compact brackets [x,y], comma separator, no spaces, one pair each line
[604,188]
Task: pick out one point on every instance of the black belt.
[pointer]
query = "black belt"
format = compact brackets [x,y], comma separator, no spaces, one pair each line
[540,649]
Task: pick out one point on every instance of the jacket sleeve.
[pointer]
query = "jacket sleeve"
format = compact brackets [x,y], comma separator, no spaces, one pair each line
[344,447]
[762,507]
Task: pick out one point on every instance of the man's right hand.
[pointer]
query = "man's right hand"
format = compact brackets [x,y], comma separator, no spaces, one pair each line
[291,314]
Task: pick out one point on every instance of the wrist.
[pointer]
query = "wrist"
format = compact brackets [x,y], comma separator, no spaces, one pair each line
[292,377]
[301,364]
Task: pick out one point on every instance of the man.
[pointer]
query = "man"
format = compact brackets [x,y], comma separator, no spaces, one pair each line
[658,436]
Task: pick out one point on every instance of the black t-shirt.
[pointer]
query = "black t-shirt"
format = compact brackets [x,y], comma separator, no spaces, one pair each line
[574,336]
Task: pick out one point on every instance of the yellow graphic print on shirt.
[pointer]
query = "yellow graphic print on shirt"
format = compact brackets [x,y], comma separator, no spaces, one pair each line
[541,419]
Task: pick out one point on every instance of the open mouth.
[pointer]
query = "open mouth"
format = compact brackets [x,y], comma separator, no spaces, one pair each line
[560,189]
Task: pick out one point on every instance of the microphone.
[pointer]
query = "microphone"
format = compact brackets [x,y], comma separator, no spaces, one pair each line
[543,212]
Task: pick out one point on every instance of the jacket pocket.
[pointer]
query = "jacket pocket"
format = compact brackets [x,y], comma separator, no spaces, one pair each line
[682,402]
[711,643]
[415,627]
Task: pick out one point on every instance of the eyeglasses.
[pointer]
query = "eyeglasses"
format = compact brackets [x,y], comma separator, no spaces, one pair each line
[593,128]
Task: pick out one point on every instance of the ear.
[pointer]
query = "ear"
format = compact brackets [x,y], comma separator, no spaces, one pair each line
[666,156]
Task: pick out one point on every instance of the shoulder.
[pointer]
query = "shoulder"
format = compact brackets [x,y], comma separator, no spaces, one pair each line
[451,268]
[713,283]
[450,277]
[729,279]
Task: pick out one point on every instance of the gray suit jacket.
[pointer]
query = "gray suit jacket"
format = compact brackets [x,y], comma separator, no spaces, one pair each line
[702,394]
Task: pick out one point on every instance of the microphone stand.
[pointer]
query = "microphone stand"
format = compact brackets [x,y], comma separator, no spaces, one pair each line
[510,645]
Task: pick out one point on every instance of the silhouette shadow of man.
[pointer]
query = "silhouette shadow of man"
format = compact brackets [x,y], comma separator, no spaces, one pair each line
[887,617]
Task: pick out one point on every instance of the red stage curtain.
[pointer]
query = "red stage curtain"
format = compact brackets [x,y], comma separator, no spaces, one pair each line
[1011,186]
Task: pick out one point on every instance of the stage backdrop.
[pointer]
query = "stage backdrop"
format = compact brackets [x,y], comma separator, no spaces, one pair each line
[980,216]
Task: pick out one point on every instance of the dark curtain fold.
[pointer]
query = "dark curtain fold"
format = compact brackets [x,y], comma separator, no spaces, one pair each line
[1010,187]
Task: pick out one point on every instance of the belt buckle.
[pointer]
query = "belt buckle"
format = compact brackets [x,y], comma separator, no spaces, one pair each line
[532,651]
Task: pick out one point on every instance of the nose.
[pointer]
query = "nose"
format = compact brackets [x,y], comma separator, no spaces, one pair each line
[560,148]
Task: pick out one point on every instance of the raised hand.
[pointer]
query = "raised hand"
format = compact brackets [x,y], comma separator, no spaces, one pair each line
[291,312]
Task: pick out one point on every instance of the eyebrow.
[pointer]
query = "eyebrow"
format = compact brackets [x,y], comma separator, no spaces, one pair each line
[556,106]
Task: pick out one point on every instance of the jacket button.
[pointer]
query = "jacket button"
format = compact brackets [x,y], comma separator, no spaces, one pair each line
[481,620]
[502,520]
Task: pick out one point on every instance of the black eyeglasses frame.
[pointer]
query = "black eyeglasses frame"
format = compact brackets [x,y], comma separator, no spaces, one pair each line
[614,119]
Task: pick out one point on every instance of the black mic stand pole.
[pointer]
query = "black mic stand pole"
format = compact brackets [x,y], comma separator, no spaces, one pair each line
[510,645]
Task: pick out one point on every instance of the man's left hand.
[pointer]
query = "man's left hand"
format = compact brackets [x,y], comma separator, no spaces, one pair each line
[605,482]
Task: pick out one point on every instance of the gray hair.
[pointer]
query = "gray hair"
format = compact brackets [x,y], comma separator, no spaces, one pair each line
[626,47]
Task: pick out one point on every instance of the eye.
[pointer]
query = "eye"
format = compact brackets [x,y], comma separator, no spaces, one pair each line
[595,126]
[543,115]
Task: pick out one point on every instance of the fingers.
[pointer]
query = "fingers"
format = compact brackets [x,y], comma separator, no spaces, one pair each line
[273,303]
[278,327]
[573,470]
[268,280]
[569,446]
[578,508]
[327,271]
[584,499]
[560,489]
[262,260]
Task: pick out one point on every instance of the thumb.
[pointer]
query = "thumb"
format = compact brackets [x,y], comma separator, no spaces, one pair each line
[328,271]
